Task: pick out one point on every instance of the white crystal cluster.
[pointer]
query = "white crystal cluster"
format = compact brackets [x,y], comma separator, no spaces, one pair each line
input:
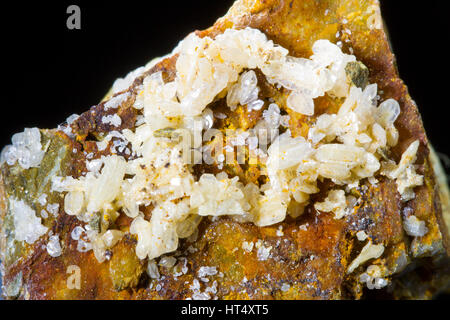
[273,118]
[206,294]
[263,252]
[78,234]
[414,227]
[334,202]
[245,92]
[345,147]
[114,120]
[89,238]
[405,172]
[26,149]
[218,195]
[206,271]
[373,278]
[205,67]
[361,128]
[54,246]
[27,226]
[116,101]
[123,84]
[152,270]
[103,242]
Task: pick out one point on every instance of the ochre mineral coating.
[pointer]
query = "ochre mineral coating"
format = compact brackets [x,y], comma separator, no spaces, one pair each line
[305,263]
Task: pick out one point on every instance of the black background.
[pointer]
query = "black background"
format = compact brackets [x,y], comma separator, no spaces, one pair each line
[52,72]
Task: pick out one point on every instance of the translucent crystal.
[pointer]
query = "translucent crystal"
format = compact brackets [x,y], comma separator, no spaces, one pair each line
[272,115]
[42,199]
[414,227]
[284,121]
[206,271]
[44,214]
[300,103]
[122,84]
[72,118]
[167,261]
[248,95]
[152,270]
[388,112]
[315,136]
[370,92]
[255,105]
[380,283]
[53,208]
[285,287]
[76,233]
[26,149]
[27,226]
[233,96]
[245,91]
[208,119]
[364,277]
[249,79]
[263,253]
[54,246]
[325,52]
[111,237]
[252,142]
[7,155]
